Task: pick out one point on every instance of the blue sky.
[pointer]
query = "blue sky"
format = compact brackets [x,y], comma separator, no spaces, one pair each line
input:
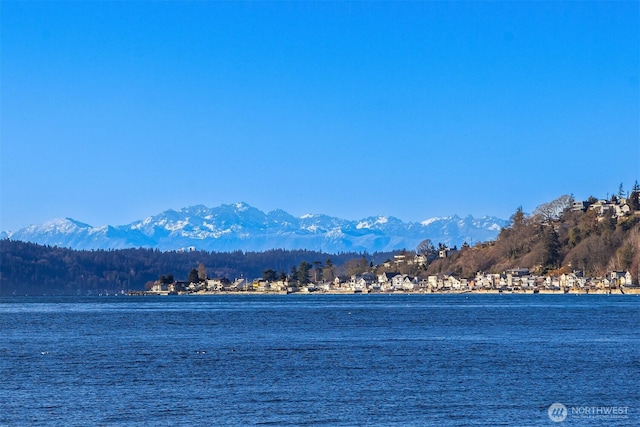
[114,111]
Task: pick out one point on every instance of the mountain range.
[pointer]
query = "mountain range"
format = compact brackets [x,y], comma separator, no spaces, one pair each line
[239,226]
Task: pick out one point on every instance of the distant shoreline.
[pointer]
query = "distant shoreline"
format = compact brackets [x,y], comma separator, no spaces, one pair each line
[626,291]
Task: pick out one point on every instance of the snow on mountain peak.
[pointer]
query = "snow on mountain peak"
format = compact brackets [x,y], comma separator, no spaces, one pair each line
[59,225]
[372,222]
[363,224]
[432,220]
[242,227]
[382,220]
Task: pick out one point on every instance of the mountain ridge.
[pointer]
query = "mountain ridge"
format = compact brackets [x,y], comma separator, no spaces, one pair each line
[240,226]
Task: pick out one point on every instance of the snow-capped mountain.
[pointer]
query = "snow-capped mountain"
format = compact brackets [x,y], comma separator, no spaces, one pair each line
[243,227]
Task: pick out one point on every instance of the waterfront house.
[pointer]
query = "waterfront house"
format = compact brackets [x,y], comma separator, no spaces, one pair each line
[385,278]
[402,282]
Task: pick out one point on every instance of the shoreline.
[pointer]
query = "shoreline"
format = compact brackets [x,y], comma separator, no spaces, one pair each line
[626,291]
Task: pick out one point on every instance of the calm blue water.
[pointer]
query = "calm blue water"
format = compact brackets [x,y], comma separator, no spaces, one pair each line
[317,359]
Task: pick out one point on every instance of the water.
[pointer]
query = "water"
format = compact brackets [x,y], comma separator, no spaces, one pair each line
[318,359]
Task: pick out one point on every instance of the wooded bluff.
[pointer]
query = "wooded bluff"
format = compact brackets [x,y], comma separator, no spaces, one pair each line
[28,268]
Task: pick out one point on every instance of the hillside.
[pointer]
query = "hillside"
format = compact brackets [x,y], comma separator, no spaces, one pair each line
[28,268]
[595,237]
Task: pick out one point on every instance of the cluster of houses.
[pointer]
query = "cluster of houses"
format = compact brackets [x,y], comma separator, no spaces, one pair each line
[516,280]
[617,207]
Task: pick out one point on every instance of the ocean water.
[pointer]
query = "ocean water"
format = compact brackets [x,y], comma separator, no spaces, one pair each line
[333,360]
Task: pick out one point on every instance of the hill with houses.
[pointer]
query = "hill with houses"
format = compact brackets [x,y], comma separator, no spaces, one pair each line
[564,245]
[590,246]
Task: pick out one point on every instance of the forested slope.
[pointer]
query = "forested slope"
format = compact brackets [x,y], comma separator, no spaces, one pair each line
[27,268]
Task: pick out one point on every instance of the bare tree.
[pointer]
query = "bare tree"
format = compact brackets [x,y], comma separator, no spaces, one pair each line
[426,248]
[202,272]
[552,211]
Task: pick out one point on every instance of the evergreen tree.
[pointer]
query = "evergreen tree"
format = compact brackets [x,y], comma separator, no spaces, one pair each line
[518,218]
[620,192]
[269,275]
[328,272]
[193,276]
[627,253]
[303,273]
[550,248]
[634,198]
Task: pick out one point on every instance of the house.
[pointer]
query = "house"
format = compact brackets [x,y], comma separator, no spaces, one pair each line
[216,284]
[447,252]
[159,287]
[620,278]
[616,207]
[628,280]
[518,272]
[358,283]
[552,282]
[402,282]
[178,286]
[385,278]
[579,206]
[420,260]
[399,259]
[455,284]
[241,284]
[432,282]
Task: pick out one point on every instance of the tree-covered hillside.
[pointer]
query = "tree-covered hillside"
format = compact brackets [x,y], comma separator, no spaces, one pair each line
[595,237]
[27,268]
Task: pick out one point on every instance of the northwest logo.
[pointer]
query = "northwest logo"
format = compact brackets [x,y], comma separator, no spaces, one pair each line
[557,412]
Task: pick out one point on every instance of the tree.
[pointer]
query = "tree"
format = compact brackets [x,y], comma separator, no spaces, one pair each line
[328,272]
[269,275]
[634,198]
[626,254]
[552,211]
[165,280]
[575,236]
[426,248]
[193,276]
[550,248]
[303,273]
[516,240]
[518,218]
[202,272]
[356,266]
[317,271]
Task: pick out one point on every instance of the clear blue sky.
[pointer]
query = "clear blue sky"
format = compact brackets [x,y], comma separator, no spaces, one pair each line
[114,111]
